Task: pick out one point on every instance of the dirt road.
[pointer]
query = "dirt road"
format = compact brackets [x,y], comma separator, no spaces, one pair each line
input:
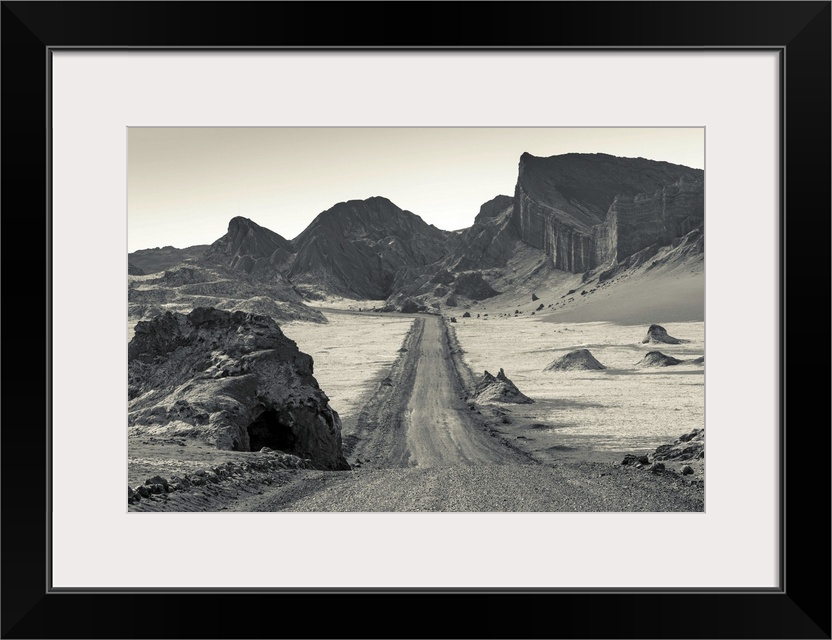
[419,448]
[419,444]
[439,431]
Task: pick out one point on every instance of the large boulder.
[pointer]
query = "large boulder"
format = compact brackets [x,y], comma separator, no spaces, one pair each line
[499,389]
[232,379]
[658,335]
[411,306]
[580,360]
[472,286]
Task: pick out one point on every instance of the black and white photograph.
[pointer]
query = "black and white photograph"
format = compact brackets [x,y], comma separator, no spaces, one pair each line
[416,319]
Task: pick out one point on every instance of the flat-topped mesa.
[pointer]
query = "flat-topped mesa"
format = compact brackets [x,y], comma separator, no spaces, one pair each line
[585,210]
[231,379]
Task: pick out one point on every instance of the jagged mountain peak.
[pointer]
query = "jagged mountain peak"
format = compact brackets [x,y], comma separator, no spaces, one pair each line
[248,247]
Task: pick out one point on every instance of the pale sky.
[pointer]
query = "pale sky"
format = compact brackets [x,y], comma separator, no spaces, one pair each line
[185,184]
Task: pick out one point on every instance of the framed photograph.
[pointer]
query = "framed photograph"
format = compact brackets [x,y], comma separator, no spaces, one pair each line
[506,251]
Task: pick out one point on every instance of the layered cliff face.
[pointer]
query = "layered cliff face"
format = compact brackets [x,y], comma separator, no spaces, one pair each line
[584,210]
[356,248]
[232,379]
[635,222]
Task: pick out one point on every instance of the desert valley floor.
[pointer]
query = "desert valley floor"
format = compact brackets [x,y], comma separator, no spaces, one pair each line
[401,385]
[550,357]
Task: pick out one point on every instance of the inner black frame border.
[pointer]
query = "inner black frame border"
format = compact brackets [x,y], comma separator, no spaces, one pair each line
[799,31]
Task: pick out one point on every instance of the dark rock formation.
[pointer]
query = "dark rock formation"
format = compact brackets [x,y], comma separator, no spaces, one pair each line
[588,209]
[466,315]
[494,208]
[499,389]
[252,249]
[488,243]
[658,335]
[232,379]
[133,270]
[635,460]
[191,285]
[535,298]
[690,446]
[161,258]
[699,360]
[356,248]
[472,286]
[411,306]
[580,360]
[657,359]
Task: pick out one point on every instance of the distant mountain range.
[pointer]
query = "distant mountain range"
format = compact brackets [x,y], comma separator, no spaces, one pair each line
[575,213]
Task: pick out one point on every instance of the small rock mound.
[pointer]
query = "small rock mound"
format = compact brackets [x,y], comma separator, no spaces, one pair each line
[657,359]
[499,389]
[580,360]
[699,360]
[658,335]
[466,315]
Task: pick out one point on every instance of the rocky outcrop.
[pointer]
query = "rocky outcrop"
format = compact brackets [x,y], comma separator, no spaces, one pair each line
[690,446]
[232,379]
[580,360]
[160,258]
[499,389]
[252,249]
[472,286]
[133,270]
[658,335]
[356,248]
[657,359]
[585,210]
[489,242]
[198,284]
[411,306]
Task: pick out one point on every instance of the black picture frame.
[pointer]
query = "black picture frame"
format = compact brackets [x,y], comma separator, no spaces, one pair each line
[799,608]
